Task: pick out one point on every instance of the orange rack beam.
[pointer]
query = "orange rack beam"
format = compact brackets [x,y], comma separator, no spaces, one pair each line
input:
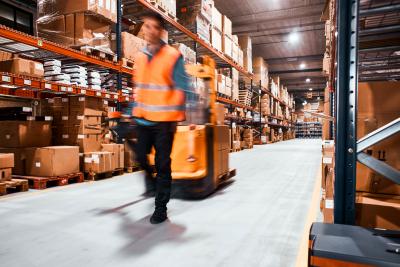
[59,49]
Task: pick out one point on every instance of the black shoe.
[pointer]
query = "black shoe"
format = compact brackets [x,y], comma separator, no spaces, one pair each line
[158,217]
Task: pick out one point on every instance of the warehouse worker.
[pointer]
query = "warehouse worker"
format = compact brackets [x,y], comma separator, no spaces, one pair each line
[160,86]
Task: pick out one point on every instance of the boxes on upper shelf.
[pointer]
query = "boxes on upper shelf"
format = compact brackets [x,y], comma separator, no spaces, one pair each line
[216,38]
[105,9]
[227,45]
[76,29]
[246,45]
[131,45]
[188,10]
[260,70]
[226,26]
[216,19]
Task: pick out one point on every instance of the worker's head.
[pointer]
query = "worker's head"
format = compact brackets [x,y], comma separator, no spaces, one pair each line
[153,26]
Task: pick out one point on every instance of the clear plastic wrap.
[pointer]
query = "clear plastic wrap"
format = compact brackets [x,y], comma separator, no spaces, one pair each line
[75,23]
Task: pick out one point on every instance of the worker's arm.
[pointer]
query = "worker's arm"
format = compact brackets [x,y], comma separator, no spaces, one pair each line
[180,77]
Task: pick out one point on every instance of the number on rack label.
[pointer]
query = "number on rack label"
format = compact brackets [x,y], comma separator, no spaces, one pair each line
[63,88]
[27,82]
[98,93]
[107,96]
[47,86]
[6,79]
[83,91]
[115,96]
[70,89]
[40,42]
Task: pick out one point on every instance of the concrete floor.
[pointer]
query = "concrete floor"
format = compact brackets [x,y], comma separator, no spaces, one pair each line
[257,220]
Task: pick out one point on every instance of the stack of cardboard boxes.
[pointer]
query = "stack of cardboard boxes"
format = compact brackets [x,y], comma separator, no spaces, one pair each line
[247,138]
[227,46]
[80,121]
[265,105]
[77,22]
[260,69]
[30,142]
[130,45]
[246,46]
[328,179]
[189,56]
[235,84]
[196,15]
[216,29]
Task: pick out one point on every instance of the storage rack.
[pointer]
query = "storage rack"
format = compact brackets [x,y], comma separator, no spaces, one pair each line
[311,130]
[353,47]
[36,48]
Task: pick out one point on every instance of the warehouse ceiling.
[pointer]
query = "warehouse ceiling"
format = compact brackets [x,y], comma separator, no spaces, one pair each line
[270,24]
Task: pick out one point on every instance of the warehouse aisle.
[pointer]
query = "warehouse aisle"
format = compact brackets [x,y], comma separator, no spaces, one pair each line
[257,220]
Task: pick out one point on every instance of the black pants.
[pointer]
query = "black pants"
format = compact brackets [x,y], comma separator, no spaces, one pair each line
[160,136]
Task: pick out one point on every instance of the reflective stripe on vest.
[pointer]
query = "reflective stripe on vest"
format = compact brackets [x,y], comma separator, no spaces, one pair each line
[156,98]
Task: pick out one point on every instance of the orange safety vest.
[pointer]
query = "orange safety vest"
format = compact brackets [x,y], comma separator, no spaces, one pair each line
[156,98]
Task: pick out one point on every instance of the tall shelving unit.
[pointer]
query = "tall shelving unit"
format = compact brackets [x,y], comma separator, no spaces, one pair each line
[348,149]
[32,47]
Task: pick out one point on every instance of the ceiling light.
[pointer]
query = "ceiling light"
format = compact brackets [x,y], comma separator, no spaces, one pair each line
[310,89]
[302,65]
[308,80]
[293,37]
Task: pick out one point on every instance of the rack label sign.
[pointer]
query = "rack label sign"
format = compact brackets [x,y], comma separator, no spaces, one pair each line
[115,96]
[327,160]
[27,82]
[63,89]
[70,89]
[98,93]
[40,42]
[83,91]
[107,96]
[6,79]
[47,86]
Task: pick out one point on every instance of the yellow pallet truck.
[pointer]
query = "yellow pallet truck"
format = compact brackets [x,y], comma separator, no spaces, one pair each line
[200,153]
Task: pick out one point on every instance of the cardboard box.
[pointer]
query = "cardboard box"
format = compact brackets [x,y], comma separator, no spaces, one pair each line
[216,38]
[227,45]
[188,10]
[90,106]
[129,156]
[85,142]
[216,19]
[226,25]
[22,67]
[19,159]
[89,30]
[6,160]
[52,160]
[327,210]
[25,133]
[378,211]
[131,45]
[118,153]
[98,162]
[5,56]
[5,174]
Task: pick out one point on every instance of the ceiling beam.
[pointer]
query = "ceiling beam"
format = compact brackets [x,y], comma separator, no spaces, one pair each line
[273,15]
[295,71]
[260,28]
[379,10]
[274,61]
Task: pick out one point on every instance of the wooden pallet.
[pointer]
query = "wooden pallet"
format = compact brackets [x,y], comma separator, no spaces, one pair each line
[40,183]
[128,63]
[12,186]
[93,51]
[93,176]
[132,169]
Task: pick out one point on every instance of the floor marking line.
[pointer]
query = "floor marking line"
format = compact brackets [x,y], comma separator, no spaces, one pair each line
[302,253]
